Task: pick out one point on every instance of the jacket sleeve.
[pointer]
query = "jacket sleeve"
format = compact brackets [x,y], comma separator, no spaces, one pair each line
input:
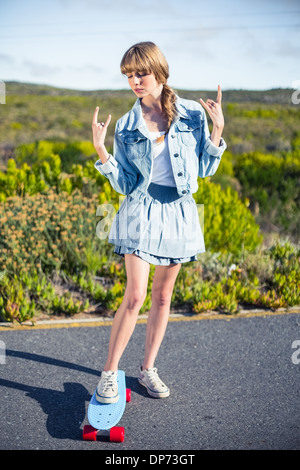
[210,154]
[117,169]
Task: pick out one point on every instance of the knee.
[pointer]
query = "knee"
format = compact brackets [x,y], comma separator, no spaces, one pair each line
[135,298]
[162,297]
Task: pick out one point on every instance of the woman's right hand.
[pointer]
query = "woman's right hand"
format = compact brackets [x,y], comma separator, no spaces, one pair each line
[99,130]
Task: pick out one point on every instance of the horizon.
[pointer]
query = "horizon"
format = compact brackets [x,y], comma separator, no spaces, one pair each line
[128,89]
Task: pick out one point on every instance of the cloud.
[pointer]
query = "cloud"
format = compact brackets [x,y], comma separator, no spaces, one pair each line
[287,48]
[7,59]
[39,69]
[85,68]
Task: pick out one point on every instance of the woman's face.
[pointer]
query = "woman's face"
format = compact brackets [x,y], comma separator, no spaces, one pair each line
[144,84]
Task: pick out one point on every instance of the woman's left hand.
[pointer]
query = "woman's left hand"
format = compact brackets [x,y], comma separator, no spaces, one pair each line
[214,109]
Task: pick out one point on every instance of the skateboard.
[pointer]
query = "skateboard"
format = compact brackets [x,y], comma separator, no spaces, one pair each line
[103,417]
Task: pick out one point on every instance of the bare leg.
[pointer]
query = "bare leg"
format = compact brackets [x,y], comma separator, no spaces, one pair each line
[124,322]
[162,289]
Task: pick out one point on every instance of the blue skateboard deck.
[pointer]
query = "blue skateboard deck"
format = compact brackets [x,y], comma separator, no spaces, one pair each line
[105,416]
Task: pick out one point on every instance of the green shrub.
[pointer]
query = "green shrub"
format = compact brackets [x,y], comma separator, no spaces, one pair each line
[48,224]
[45,175]
[228,223]
[272,182]
[42,149]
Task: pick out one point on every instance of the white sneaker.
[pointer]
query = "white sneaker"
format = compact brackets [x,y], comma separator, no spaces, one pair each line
[107,389]
[155,386]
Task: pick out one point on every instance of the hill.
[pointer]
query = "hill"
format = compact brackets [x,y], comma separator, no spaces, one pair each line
[255,120]
[277,95]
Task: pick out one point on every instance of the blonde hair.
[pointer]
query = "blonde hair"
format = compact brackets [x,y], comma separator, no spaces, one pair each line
[146,57]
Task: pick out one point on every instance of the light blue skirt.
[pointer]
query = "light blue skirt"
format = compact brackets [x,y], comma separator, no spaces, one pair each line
[163,228]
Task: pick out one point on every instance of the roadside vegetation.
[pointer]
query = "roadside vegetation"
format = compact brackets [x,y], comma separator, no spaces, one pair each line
[52,260]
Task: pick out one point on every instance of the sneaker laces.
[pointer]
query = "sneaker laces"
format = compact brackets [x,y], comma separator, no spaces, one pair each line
[110,380]
[153,377]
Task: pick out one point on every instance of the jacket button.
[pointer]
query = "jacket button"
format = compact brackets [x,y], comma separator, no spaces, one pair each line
[173,136]
[180,174]
[184,191]
[176,154]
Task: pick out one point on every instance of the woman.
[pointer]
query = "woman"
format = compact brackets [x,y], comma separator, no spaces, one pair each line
[161,146]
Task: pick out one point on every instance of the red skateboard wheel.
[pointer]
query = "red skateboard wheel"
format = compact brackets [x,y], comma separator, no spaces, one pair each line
[89,433]
[117,434]
[128,395]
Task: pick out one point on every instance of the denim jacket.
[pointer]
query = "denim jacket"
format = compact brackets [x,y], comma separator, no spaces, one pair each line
[192,153]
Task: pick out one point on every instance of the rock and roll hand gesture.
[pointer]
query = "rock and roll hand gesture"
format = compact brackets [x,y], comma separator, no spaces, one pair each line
[214,109]
[99,130]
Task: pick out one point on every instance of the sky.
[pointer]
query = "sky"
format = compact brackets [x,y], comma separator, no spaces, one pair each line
[78,44]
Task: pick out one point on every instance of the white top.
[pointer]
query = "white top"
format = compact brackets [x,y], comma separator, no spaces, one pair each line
[162,169]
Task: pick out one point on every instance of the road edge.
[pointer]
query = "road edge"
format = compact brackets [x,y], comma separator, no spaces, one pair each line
[174,317]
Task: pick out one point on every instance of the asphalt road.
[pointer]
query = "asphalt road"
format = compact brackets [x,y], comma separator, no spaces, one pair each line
[234,385]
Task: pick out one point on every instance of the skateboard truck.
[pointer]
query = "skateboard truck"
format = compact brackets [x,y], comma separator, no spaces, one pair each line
[115,434]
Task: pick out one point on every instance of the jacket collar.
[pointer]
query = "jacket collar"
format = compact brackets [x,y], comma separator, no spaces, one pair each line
[181,109]
[136,120]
